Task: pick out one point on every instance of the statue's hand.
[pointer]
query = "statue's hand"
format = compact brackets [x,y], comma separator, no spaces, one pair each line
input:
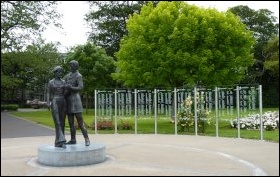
[49,106]
[68,86]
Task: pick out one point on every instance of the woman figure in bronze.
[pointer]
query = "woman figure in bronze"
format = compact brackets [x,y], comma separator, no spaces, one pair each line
[57,104]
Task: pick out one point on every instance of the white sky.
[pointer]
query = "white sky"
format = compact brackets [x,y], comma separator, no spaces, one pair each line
[75,27]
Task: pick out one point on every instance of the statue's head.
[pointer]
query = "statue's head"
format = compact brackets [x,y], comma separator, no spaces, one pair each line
[74,65]
[58,70]
[74,62]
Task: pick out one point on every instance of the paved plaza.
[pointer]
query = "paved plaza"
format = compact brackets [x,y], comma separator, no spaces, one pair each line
[139,155]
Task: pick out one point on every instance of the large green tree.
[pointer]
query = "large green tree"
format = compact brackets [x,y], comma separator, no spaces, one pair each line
[108,22]
[177,44]
[22,21]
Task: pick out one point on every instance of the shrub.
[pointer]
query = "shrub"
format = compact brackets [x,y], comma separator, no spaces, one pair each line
[9,107]
[125,125]
[186,118]
[103,125]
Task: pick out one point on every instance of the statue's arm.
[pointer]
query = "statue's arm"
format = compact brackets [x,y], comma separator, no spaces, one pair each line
[49,94]
[79,86]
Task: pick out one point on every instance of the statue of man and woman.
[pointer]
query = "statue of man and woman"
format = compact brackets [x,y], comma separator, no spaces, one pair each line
[64,99]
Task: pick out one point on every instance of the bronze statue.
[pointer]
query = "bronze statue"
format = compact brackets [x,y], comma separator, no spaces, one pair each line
[57,103]
[74,84]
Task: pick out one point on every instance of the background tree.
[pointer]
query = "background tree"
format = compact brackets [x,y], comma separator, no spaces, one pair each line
[271,53]
[45,57]
[95,66]
[261,22]
[271,65]
[22,67]
[264,27]
[176,44]
[22,20]
[108,22]
[28,70]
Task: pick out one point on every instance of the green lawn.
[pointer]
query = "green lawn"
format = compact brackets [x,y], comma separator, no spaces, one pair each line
[146,124]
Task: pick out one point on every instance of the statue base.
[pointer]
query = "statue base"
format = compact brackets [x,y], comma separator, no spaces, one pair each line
[72,155]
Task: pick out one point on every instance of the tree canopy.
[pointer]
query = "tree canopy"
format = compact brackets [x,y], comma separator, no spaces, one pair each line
[262,22]
[108,22]
[272,56]
[95,66]
[27,70]
[24,20]
[264,27]
[176,44]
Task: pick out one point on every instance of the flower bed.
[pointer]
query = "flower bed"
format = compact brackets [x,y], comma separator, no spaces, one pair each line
[270,121]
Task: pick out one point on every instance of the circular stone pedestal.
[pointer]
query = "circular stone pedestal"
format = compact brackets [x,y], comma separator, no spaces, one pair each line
[72,155]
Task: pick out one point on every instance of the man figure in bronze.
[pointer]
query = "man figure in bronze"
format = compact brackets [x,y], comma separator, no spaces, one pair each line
[74,84]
